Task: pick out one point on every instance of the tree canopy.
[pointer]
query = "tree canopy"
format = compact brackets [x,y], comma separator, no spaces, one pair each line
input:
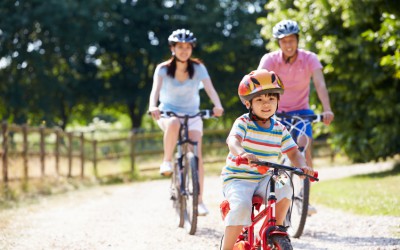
[358,43]
[69,61]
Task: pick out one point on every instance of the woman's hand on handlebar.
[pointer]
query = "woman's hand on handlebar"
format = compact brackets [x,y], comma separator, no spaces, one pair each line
[155,112]
[218,111]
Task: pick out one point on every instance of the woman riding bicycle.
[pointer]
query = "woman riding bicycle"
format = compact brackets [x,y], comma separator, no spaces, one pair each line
[176,86]
[297,68]
[256,136]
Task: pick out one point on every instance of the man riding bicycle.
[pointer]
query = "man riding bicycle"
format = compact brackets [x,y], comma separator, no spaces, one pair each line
[297,67]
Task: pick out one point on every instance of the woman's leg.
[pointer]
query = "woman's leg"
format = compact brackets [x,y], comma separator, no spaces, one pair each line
[197,136]
[170,126]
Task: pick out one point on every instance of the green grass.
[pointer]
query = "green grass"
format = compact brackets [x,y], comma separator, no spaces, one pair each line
[370,194]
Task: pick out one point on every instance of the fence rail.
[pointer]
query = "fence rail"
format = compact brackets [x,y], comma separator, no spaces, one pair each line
[52,151]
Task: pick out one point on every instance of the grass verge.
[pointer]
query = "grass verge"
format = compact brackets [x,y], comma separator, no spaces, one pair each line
[369,194]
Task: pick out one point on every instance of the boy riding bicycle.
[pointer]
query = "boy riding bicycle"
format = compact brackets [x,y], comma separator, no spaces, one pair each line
[256,136]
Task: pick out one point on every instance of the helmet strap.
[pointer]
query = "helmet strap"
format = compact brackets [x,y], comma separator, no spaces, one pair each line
[290,57]
[177,59]
[255,117]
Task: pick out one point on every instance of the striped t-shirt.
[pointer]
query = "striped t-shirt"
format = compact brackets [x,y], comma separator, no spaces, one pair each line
[265,143]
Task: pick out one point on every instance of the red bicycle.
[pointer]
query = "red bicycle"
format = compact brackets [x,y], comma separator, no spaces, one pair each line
[269,236]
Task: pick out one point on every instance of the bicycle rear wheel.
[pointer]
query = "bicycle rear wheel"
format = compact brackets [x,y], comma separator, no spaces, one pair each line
[191,198]
[299,210]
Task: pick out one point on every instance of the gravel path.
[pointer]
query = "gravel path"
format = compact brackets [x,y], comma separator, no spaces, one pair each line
[140,216]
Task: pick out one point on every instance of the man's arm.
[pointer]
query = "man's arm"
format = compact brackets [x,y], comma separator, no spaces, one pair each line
[322,91]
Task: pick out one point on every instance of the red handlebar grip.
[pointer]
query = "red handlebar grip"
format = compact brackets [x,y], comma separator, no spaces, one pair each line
[239,160]
[315,176]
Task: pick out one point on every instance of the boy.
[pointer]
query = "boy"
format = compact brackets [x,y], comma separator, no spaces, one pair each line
[256,136]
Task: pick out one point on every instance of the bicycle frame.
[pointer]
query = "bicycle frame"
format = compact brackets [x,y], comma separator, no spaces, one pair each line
[269,235]
[301,188]
[185,186]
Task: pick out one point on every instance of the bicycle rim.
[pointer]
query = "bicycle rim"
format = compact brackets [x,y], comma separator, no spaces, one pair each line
[299,209]
[191,200]
[176,196]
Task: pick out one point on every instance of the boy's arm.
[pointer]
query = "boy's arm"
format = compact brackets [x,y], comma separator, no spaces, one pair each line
[235,147]
[299,161]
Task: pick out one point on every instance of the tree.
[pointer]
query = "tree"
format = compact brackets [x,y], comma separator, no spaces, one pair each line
[359,50]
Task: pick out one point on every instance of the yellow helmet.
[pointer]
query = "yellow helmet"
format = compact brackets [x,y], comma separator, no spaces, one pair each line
[259,82]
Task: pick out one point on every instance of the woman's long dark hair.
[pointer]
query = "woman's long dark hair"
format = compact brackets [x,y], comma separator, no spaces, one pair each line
[171,66]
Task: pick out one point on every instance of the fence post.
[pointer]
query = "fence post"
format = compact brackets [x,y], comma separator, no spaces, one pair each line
[132,143]
[69,154]
[4,128]
[82,139]
[42,150]
[95,157]
[57,151]
[25,151]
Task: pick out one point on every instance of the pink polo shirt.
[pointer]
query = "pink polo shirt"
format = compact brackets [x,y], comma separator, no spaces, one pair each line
[296,77]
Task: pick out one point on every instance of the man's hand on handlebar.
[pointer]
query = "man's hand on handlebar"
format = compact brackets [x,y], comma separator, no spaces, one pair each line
[328,117]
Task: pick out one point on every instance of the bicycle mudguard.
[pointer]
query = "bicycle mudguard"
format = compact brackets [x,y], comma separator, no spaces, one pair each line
[242,245]
[257,202]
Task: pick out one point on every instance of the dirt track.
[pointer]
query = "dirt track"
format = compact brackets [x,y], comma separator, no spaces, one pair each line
[140,216]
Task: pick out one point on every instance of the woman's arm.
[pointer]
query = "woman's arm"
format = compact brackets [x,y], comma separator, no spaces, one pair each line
[212,93]
[154,96]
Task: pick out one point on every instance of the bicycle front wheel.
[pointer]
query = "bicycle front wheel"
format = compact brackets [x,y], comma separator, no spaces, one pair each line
[281,242]
[176,196]
[191,198]
[299,210]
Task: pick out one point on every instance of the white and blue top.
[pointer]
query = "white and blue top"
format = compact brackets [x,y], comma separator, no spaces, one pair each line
[265,143]
[181,97]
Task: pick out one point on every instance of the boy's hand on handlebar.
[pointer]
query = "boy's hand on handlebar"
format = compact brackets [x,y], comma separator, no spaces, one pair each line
[155,112]
[250,157]
[307,170]
[218,111]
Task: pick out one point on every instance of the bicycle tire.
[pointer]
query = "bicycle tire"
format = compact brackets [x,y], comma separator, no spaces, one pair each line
[299,210]
[191,199]
[176,196]
[281,242]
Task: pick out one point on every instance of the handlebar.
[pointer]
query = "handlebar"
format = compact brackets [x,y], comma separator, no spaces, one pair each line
[263,166]
[312,118]
[204,114]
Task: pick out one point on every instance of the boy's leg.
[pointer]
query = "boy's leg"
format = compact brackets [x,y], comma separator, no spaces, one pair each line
[282,208]
[230,236]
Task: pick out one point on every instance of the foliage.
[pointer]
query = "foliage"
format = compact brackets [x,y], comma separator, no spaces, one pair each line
[96,58]
[95,55]
[360,53]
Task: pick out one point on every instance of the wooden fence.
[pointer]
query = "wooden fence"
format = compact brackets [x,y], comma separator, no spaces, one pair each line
[37,152]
